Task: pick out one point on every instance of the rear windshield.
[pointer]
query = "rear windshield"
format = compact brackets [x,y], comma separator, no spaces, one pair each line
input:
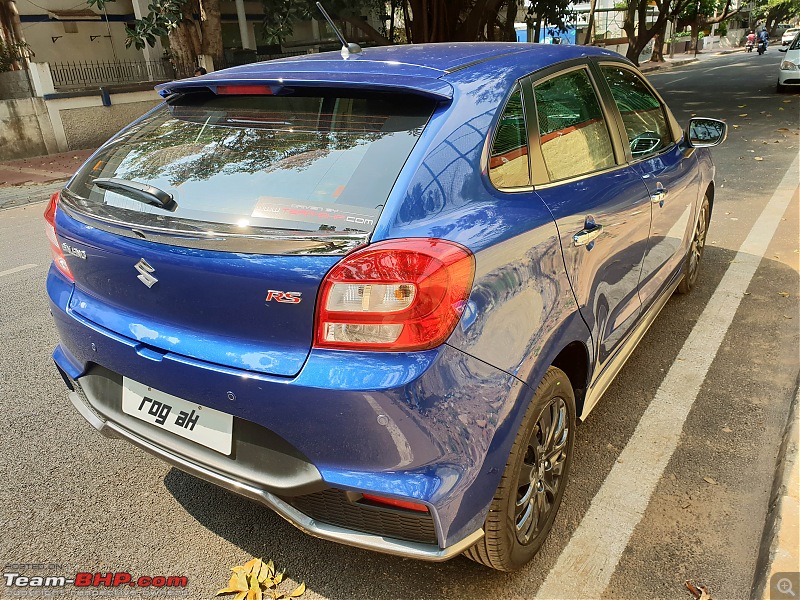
[296,162]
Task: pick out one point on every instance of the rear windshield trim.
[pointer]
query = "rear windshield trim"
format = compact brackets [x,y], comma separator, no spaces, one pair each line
[221,239]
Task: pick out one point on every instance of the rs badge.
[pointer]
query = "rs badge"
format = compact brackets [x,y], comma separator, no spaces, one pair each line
[285,297]
[145,271]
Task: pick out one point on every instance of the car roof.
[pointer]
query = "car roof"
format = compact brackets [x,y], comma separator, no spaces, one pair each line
[418,68]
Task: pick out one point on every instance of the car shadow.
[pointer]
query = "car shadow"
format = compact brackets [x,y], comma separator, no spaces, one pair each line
[336,571]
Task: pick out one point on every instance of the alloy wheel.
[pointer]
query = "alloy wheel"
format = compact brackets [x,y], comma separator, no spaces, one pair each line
[541,472]
[698,242]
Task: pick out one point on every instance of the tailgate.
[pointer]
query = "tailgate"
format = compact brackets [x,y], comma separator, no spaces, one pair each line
[206,228]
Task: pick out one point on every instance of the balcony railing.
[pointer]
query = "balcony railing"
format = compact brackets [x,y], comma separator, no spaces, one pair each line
[90,74]
[82,74]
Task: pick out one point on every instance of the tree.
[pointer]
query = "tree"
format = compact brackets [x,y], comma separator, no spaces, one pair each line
[176,19]
[674,8]
[543,12]
[424,20]
[774,12]
[635,25]
[701,13]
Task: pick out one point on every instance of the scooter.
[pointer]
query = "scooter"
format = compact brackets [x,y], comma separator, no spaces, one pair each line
[748,47]
[762,46]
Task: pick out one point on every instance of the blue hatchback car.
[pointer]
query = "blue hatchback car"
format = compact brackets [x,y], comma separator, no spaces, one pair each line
[375,293]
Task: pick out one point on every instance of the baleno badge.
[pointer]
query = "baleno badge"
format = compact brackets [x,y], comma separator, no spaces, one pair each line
[144,273]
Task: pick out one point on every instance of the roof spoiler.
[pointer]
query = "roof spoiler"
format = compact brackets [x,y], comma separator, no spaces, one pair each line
[221,82]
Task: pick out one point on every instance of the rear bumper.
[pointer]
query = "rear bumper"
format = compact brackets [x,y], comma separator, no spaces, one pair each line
[434,427]
[303,522]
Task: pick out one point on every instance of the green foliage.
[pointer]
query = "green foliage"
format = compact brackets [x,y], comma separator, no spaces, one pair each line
[163,17]
[280,17]
[11,53]
[553,12]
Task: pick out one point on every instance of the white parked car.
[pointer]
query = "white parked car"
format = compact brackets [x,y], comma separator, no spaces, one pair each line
[789,73]
[788,35]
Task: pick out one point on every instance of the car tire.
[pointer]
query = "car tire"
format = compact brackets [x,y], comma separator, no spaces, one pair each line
[531,488]
[780,88]
[691,265]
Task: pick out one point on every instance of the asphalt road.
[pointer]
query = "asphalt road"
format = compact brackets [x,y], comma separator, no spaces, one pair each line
[74,499]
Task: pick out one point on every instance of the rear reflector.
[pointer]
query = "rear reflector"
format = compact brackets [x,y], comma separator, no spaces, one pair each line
[393,502]
[397,296]
[50,229]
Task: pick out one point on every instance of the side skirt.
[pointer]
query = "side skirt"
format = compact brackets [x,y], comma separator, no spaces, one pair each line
[614,366]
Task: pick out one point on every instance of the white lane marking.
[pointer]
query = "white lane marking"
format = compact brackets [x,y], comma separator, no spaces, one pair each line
[675,80]
[18,269]
[586,565]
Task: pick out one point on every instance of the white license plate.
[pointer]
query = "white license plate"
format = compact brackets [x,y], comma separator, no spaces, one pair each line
[200,424]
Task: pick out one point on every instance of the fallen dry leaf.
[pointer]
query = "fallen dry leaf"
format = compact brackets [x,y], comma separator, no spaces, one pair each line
[727,430]
[251,580]
[710,480]
[743,115]
[700,592]
[784,294]
[758,158]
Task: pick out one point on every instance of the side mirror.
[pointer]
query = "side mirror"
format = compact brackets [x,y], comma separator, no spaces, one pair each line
[705,133]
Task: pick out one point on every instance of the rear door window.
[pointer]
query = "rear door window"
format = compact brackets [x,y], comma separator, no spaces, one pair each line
[302,162]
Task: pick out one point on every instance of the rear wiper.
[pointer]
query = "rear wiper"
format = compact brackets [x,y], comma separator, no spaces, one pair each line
[138,191]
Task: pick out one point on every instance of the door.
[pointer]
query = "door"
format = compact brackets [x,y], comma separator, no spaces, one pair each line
[670,176]
[601,206]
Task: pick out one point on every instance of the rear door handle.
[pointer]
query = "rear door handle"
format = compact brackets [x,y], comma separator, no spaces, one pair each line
[588,235]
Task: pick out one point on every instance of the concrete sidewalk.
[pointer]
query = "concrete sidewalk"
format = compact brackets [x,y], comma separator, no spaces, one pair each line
[35,179]
[42,169]
[685,59]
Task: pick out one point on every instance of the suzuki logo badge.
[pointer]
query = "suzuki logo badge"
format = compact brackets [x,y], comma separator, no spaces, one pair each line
[144,273]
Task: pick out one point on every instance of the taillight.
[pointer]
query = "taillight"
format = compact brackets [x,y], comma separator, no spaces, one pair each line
[50,228]
[396,295]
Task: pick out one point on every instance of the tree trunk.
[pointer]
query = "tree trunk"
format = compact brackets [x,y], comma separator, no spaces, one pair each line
[182,47]
[511,16]
[370,33]
[695,25]
[392,8]
[635,27]
[407,23]
[589,37]
[211,30]
[658,47]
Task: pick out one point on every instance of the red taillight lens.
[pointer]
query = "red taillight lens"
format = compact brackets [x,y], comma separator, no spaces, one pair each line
[50,229]
[397,295]
[395,503]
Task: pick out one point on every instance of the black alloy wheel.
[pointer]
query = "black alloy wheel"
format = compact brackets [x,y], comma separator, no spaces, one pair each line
[525,504]
[691,267]
[541,473]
